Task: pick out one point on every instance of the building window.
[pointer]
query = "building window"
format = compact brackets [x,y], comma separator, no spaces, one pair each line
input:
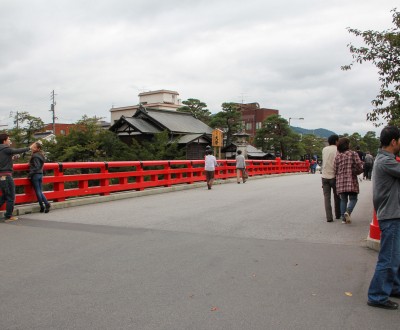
[258,125]
[62,131]
[249,126]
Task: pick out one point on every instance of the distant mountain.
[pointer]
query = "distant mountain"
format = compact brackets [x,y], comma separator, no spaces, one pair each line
[321,132]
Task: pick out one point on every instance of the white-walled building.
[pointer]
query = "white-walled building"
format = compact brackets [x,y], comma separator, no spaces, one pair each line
[161,99]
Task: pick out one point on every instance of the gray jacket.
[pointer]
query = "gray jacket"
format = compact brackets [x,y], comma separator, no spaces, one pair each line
[6,154]
[386,186]
[240,161]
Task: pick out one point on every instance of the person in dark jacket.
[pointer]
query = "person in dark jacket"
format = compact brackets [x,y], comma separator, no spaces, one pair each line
[7,185]
[36,176]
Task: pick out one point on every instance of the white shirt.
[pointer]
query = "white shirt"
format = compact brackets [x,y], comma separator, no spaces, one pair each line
[210,163]
[328,158]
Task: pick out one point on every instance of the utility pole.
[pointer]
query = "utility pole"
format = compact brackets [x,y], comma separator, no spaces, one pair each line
[52,109]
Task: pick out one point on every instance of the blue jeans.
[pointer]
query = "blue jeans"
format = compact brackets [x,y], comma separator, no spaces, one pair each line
[386,279]
[351,198]
[7,187]
[37,180]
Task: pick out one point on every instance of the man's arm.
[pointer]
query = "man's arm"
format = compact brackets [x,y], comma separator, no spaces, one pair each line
[12,151]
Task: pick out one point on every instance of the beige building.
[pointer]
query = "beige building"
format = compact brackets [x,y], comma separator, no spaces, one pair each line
[160,99]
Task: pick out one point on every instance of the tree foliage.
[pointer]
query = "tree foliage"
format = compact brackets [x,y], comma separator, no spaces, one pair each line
[87,142]
[383,50]
[160,147]
[229,120]
[25,126]
[197,108]
[276,136]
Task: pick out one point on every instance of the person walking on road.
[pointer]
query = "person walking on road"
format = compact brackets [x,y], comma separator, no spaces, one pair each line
[209,167]
[347,166]
[328,178]
[7,185]
[240,167]
[368,165]
[36,176]
[385,282]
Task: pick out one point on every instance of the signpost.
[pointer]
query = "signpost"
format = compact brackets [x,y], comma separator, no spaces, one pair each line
[217,140]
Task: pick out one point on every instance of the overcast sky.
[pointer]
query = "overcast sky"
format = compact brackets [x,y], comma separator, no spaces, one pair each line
[96,54]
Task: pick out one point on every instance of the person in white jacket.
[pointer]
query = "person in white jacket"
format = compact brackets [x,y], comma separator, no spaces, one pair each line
[209,166]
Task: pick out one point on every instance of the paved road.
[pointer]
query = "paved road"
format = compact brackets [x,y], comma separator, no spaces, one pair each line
[252,256]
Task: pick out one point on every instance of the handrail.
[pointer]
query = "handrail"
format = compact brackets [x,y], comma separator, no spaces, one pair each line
[76,179]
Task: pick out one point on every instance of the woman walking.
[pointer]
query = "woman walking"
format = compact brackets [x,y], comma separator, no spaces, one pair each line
[36,175]
[347,166]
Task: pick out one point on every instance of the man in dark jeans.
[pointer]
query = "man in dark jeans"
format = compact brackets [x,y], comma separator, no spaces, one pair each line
[386,195]
[7,185]
[328,178]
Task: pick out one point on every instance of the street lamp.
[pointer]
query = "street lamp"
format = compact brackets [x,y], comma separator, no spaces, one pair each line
[290,118]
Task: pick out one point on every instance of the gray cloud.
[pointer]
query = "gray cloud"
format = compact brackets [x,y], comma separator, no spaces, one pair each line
[284,55]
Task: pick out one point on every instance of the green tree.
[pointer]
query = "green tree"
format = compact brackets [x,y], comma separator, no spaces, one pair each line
[313,145]
[229,120]
[25,127]
[197,108]
[383,50]
[88,142]
[356,140]
[276,135]
[161,148]
[371,142]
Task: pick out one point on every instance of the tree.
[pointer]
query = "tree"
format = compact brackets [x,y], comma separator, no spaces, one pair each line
[161,148]
[88,142]
[313,145]
[25,127]
[383,50]
[229,120]
[356,141]
[371,142]
[276,135]
[197,108]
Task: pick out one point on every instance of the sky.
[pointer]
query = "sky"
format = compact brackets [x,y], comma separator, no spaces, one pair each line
[99,54]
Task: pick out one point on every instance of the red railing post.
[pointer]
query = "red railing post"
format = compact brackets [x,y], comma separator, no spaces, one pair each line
[278,165]
[58,186]
[140,178]
[104,182]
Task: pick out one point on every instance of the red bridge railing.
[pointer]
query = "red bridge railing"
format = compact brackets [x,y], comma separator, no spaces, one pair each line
[66,180]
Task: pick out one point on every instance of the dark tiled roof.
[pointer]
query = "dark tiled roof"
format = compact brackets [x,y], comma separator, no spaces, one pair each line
[185,139]
[142,125]
[176,122]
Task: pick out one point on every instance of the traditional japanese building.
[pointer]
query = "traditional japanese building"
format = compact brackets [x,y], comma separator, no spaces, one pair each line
[182,128]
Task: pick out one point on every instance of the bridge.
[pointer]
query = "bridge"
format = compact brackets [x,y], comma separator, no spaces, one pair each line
[258,255]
